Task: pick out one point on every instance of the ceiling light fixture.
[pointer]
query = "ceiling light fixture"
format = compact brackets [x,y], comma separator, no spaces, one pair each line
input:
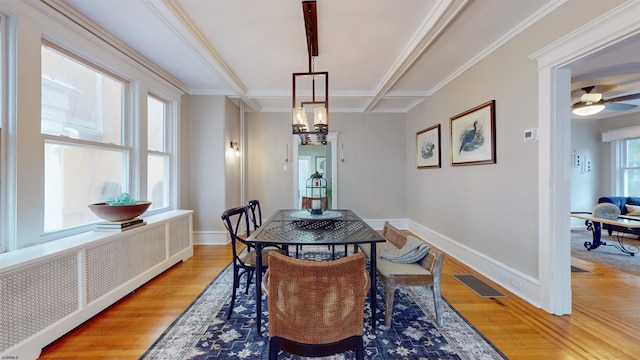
[317,100]
[590,103]
[588,108]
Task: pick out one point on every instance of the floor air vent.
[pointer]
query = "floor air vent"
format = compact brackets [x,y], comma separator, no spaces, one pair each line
[478,286]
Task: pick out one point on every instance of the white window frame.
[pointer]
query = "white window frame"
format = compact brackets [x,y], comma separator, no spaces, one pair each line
[617,138]
[128,133]
[21,168]
[621,167]
[168,150]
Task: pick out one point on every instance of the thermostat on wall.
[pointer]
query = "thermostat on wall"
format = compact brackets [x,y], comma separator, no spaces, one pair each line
[531,135]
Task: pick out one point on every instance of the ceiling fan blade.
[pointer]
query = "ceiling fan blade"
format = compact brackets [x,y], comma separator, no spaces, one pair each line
[624,98]
[618,106]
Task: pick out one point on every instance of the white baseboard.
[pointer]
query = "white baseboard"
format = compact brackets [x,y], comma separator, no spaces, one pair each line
[378,224]
[521,285]
[210,237]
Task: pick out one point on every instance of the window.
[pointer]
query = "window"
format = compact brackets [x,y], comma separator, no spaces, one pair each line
[158,156]
[90,140]
[85,160]
[78,101]
[630,167]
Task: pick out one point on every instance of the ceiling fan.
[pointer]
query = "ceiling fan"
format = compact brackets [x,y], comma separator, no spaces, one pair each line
[592,103]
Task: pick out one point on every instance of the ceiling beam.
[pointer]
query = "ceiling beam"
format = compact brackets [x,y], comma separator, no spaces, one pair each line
[311,28]
[176,17]
[428,32]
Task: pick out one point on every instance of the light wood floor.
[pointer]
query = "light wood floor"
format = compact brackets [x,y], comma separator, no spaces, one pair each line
[605,323]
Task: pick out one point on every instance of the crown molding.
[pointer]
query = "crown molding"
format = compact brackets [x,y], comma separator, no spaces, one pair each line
[618,24]
[177,18]
[57,7]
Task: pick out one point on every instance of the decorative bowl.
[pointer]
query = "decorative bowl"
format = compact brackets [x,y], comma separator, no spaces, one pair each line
[119,212]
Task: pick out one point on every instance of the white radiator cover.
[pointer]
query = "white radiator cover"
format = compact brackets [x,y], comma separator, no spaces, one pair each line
[47,290]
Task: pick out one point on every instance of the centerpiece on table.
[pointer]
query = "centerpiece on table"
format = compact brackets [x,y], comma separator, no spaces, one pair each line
[316,193]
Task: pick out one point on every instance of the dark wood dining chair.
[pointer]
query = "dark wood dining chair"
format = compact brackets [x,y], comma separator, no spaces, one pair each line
[236,220]
[316,308]
[255,213]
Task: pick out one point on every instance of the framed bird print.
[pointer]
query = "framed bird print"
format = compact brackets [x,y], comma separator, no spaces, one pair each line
[428,148]
[473,136]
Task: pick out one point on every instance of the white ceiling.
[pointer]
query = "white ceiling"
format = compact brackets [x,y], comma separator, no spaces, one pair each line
[381,55]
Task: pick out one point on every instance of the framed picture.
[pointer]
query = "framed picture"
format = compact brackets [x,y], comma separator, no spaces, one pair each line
[428,148]
[473,136]
[320,162]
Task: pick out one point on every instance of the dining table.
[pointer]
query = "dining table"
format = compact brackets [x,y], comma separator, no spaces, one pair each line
[300,227]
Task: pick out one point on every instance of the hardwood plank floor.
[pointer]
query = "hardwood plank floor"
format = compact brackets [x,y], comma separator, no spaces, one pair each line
[605,323]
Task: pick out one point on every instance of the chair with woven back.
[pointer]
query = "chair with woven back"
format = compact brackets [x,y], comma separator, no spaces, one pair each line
[244,262]
[316,308]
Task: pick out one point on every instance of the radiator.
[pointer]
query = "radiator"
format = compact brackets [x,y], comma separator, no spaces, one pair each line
[51,295]
[34,298]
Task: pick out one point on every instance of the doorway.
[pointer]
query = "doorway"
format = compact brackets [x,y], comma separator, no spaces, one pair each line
[303,174]
[554,153]
[314,161]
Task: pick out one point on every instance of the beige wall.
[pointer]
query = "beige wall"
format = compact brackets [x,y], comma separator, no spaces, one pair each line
[371,180]
[267,137]
[214,176]
[207,156]
[586,140]
[232,162]
[492,210]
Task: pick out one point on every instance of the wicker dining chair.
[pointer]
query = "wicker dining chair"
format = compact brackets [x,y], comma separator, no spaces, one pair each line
[316,308]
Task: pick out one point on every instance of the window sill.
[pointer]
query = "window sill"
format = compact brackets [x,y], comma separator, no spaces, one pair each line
[23,257]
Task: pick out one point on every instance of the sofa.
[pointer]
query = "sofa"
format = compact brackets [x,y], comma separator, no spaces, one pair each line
[629,207]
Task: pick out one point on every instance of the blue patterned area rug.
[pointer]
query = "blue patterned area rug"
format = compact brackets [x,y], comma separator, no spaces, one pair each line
[203,332]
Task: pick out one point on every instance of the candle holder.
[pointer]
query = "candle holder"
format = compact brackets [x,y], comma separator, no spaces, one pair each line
[316,207]
[316,199]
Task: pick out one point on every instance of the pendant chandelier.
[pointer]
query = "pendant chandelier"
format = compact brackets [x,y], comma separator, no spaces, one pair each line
[315,101]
